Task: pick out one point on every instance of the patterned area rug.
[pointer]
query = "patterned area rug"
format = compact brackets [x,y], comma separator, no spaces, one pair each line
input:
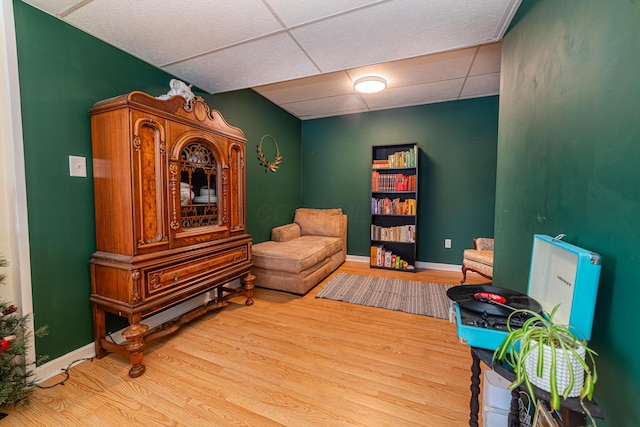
[428,299]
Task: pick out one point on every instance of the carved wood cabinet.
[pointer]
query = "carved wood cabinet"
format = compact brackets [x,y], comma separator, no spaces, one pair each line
[169,184]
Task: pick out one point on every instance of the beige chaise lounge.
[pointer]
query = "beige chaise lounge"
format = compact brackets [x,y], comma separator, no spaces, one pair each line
[301,254]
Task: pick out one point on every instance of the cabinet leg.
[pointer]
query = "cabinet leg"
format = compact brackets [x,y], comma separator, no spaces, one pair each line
[99,330]
[134,335]
[247,283]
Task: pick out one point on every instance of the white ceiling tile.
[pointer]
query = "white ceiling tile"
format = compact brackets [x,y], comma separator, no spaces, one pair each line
[303,55]
[487,60]
[343,104]
[321,86]
[423,69]
[396,30]
[266,60]
[296,12]
[412,95]
[54,7]
[486,84]
[171,31]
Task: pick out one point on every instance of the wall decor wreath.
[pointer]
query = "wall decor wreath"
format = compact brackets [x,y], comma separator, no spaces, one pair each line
[269,165]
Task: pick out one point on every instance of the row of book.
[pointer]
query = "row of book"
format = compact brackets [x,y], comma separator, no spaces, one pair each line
[398,233]
[399,159]
[388,206]
[382,257]
[392,182]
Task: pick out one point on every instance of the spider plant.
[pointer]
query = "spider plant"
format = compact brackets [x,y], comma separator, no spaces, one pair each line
[535,332]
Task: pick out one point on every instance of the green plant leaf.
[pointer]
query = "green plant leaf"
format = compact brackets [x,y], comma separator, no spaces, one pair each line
[538,329]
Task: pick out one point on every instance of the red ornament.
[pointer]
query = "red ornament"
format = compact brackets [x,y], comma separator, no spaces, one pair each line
[5,342]
[11,309]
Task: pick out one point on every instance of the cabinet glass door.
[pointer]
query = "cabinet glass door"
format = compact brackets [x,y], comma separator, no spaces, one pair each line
[198,189]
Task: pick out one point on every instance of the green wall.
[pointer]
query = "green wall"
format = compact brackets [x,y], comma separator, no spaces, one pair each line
[568,155]
[271,197]
[63,72]
[456,178]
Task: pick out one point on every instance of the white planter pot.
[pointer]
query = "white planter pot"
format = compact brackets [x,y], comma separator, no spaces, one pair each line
[562,370]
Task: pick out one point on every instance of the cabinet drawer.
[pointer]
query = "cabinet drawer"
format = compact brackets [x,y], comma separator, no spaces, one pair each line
[186,273]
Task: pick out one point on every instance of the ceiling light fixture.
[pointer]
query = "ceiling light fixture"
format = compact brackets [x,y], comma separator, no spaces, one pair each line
[370,84]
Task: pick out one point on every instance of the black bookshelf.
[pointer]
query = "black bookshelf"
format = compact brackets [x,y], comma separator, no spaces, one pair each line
[394,206]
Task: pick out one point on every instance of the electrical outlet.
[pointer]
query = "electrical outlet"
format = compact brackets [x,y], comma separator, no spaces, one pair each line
[77,166]
[447,243]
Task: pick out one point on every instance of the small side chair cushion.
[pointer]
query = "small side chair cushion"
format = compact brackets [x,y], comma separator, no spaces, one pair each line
[482,257]
[483,243]
[481,261]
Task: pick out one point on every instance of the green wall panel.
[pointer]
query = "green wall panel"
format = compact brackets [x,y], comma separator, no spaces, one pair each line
[569,144]
[63,72]
[272,197]
[457,170]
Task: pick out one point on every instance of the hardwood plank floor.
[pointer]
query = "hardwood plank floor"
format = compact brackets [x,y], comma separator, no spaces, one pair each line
[285,361]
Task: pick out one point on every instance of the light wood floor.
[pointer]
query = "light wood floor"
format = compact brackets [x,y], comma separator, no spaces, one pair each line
[285,361]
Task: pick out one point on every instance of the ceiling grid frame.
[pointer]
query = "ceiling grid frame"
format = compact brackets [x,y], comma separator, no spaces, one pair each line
[304,56]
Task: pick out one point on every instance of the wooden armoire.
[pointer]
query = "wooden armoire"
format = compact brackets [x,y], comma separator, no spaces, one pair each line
[169,183]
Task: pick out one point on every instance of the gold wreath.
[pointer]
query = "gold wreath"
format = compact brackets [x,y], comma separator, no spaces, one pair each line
[273,165]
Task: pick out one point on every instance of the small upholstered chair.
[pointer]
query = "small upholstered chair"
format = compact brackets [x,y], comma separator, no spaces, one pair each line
[479,259]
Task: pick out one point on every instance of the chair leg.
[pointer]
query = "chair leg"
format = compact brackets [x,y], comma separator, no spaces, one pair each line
[464,274]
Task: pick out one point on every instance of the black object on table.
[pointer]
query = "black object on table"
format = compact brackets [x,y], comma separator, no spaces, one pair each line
[571,411]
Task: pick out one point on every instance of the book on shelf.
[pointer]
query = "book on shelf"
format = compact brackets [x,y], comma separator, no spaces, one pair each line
[388,256]
[380,164]
[395,206]
[389,182]
[403,159]
[398,233]
[399,159]
[382,257]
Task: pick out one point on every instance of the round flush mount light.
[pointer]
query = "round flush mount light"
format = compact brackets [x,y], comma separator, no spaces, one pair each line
[370,84]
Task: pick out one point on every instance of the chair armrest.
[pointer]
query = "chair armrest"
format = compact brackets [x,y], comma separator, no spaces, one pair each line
[285,232]
[483,244]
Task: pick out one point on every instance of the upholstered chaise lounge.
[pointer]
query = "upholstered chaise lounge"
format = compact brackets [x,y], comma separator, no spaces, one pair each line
[301,254]
[479,259]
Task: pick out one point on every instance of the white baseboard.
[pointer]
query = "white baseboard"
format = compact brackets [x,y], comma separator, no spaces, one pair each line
[419,264]
[60,364]
[358,258]
[439,266]
[56,366]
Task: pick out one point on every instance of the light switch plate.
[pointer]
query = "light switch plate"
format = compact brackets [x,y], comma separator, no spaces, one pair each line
[77,166]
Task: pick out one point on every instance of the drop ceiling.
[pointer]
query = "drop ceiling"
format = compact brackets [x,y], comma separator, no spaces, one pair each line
[303,55]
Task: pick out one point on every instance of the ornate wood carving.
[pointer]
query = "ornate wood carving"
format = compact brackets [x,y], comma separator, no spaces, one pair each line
[149,157]
[135,277]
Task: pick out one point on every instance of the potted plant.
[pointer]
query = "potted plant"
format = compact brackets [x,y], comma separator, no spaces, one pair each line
[549,356]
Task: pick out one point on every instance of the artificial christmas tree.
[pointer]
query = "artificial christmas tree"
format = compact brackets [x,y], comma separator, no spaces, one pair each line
[16,376]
